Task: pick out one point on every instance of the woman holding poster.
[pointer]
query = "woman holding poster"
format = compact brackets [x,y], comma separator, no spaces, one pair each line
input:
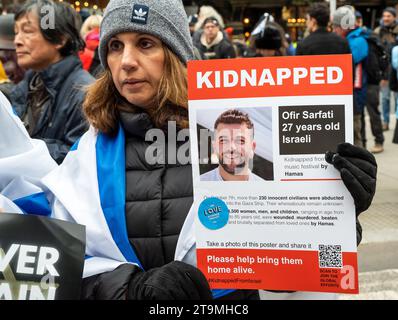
[135,204]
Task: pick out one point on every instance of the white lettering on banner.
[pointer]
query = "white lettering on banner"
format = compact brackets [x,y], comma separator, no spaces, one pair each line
[299,73]
[250,78]
[316,73]
[282,74]
[266,77]
[47,257]
[201,79]
[231,78]
[339,75]
[26,292]
[5,291]
[24,259]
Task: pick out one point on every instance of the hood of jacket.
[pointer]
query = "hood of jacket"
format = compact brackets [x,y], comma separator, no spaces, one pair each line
[390,27]
[216,40]
[356,33]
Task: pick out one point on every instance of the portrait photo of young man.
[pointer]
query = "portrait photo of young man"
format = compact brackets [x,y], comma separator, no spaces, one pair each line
[234,147]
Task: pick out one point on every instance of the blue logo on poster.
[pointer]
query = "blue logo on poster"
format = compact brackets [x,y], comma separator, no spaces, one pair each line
[213,213]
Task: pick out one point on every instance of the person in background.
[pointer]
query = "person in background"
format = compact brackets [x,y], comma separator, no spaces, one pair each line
[11,73]
[92,23]
[387,33]
[343,22]
[358,19]
[84,14]
[192,20]
[374,75]
[394,65]
[204,13]
[239,44]
[320,41]
[8,56]
[213,43]
[3,44]
[270,42]
[291,50]
[50,97]
[3,76]
[90,32]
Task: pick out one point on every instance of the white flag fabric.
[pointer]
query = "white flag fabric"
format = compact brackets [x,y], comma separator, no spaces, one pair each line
[23,161]
[76,191]
[14,139]
[7,205]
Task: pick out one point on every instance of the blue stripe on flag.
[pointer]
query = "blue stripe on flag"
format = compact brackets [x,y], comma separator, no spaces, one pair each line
[36,204]
[75,145]
[112,188]
[218,293]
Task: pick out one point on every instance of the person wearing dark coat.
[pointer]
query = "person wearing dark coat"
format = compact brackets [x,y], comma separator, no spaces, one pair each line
[321,41]
[387,32]
[49,98]
[213,43]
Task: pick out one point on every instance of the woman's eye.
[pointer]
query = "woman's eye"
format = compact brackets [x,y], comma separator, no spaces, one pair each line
[146,44]
[115,46]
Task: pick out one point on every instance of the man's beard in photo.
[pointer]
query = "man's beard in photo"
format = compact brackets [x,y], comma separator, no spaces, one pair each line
[236,170]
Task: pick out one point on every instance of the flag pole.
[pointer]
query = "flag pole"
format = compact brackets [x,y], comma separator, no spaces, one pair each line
[332,6]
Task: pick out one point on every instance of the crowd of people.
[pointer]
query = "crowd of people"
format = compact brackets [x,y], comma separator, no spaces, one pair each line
[97,90]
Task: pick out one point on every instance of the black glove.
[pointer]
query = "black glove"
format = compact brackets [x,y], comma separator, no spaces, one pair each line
[173,281]
[110,285]
[358,169]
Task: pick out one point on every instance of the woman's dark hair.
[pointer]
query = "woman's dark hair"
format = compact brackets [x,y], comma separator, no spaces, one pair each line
[320,12]
[65,28]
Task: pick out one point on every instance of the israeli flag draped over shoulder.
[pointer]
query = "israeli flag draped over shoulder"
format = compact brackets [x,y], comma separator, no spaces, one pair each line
[87,188]
[23,162]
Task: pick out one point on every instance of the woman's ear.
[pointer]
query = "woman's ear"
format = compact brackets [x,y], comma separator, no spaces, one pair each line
[62,44]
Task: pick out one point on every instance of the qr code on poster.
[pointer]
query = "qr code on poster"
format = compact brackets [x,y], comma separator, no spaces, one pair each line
[330,256]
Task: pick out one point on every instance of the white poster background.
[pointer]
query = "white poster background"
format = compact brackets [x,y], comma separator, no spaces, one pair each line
[342,233]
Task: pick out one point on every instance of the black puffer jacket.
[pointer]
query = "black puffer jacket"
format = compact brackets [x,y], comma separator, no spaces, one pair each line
[323,42]
[158,198]
[61,121]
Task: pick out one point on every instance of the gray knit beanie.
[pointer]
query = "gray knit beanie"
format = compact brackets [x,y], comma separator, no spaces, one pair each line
[164,19]
[391,10]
